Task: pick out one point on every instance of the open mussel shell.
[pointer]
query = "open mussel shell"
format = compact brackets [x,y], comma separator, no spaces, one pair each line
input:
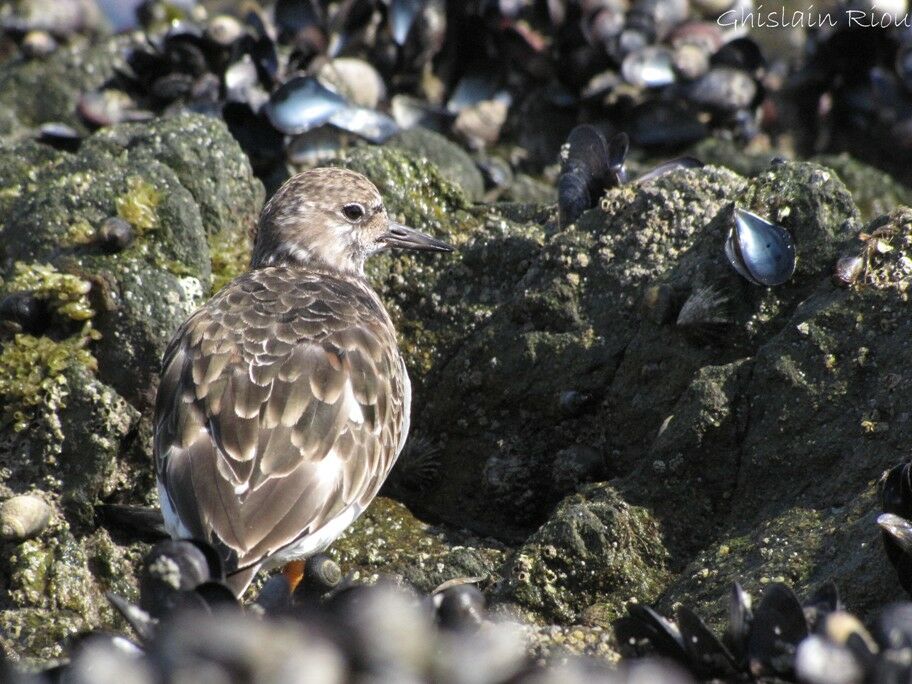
[778,627]
[301,104]
[402,16]
[740,617]
[708,656]
[644,625]
[649,67]
[760,251]
[369,124]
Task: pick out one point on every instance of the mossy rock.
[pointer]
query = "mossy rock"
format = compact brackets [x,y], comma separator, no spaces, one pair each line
[803,509]
[181,183]
[388,541]
[812,203]
[535,376]
[594,549]
[55,590]
[874,191]
[451,160]
[693,462]
[72,389]
[207,162]
[733,155]
[36,91]
[414,190]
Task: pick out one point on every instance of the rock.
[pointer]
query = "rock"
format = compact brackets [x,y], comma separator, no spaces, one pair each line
[453,162]
[802,510]
[529,190]
[565,316]
[692,464]
[207,162]
[875,192]
[54,589]
[75,389]
[182,184]
[23,517]
[33,92]
[414,189]
[595,548]
[389,541]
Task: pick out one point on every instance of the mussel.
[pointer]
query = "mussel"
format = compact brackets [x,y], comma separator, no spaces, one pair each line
[760,251]
[589,166]
[301,104]
[461,608]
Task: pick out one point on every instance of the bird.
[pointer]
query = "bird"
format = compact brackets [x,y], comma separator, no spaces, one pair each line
[284,400]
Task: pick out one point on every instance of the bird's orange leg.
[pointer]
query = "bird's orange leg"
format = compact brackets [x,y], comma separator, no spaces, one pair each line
[294,573]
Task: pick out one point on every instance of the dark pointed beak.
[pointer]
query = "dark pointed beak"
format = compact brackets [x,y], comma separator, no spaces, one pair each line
[404,237]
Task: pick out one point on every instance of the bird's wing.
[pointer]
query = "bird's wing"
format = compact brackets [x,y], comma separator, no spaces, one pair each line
[280,406]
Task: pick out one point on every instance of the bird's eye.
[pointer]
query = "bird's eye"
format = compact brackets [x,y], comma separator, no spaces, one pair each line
[353,212]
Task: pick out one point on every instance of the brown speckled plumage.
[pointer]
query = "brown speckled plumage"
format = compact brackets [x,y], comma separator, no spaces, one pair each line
[284,400]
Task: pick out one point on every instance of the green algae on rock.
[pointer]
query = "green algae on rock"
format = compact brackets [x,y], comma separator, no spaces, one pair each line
[414,190]
[65,293]
[206,160]
[451,160]
[560,321]
[594,549]
[69,394]
[55,591]
[389,541]
[138,204]
[138,172]
[32,380]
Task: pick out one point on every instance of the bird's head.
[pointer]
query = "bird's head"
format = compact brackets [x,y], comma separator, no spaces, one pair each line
[331,218]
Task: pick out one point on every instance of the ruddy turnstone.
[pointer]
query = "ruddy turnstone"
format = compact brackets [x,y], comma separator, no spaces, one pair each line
[284,400]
